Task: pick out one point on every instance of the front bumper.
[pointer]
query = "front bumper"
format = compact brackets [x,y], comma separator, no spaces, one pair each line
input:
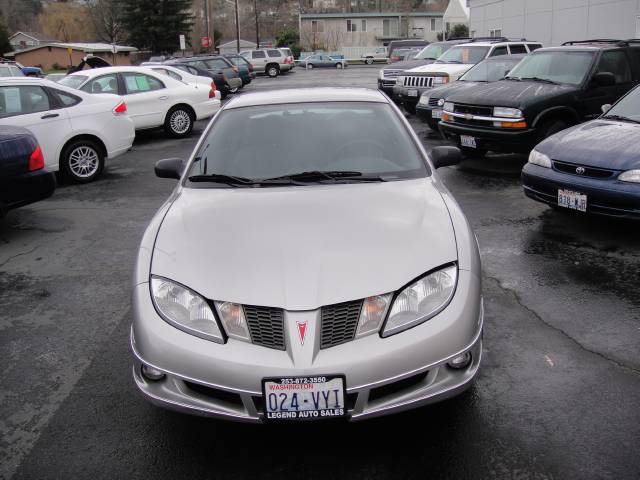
[494,139]
[402,94]
[386,85]
[425,113]
[608,197]
[383,376]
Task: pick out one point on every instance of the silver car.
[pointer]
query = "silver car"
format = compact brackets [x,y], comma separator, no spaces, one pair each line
[339,280]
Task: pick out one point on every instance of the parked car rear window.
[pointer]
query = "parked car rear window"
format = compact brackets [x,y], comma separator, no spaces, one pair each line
[499,51]
[139,82]
[65,98]
[517,49]
[467,54]
[216,63]
[364,137]
[616,62]
[432,52]
[559,66]
[73,81]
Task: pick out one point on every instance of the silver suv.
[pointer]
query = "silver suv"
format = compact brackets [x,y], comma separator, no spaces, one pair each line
[269,61]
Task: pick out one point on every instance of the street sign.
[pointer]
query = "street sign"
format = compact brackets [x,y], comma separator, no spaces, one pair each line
[205,41]
[183,43]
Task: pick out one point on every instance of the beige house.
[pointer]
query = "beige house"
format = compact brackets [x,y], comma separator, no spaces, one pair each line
[335,31]
[22,40]
[63,55]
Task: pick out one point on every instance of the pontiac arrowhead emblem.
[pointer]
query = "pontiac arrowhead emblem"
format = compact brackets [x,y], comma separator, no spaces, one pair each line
[302,331]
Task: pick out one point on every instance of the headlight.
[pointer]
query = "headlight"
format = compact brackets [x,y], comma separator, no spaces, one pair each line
[184,309]
[374,309]
[448,106]
[630,176]
[421,300]
[424,99]
[504,112]
[233,320]
[440,80]
[540,159]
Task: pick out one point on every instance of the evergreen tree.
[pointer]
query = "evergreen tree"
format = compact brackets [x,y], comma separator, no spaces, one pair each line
[5,46]
[156,24]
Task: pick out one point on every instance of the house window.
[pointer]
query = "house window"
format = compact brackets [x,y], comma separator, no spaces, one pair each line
[363,24]
[473,34]
[390,27]
[352,26]
[495,33]
[433,24]
[317,26]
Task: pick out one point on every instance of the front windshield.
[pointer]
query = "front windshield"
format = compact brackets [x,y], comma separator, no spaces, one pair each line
[73,81]
[464,54]
[628,107]
[334,136]
[490,70]
[569,67]
[431,52]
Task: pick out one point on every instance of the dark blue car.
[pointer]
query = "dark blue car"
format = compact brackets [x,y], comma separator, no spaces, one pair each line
[593,167]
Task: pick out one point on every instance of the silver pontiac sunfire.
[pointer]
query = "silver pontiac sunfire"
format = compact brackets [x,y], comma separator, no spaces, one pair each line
[309,265]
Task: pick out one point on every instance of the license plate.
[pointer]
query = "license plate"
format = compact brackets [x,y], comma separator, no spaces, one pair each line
[436,113]
[412,93]
[304,398]
[467,141]
[572,200]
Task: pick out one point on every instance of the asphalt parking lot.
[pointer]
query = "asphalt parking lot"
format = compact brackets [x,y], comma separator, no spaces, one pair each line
[557,396]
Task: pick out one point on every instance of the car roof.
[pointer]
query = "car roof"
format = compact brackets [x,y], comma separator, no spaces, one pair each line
[93,72]
[489,43]
[304,95]
[576,48]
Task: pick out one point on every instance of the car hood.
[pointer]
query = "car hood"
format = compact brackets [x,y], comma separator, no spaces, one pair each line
[299,248]
[408,64]
[450,68]
[599,143]
[510,93]
[451,88]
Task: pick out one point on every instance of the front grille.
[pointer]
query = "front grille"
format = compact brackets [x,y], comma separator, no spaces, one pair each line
[266,326]
[473,110]
[433,102]
[418,81]
[339,323]
[588,171]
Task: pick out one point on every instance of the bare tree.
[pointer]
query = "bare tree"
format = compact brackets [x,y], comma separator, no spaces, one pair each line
[106,16]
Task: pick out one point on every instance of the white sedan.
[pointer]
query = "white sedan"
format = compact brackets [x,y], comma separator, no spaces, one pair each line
[153,99]
[75,130]
[186,77]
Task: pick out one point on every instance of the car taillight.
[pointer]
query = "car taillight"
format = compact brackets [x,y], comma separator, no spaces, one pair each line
[36,160]
[120,108]
[212,91]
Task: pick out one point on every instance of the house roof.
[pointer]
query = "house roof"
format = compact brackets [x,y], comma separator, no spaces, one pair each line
[243,43]
[41,37]
[304,16]
[84,47]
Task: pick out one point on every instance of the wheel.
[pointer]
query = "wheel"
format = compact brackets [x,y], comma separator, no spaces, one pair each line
[410,108]
[473,152]
[551,127]
[339,65]
[309,66]
[369,61]
[234,90]
[179,122]
[273,70]
[82,161]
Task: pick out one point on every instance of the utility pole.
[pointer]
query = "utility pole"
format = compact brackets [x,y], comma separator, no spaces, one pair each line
[237,29]
[207,30]
[255,11]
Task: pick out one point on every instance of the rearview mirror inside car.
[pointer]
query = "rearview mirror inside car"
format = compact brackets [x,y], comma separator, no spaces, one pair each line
[169,168]
[604,79]
[605,108]
[445,156]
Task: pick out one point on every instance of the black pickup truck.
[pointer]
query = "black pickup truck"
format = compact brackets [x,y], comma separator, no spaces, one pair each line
[550,90]
[23,178]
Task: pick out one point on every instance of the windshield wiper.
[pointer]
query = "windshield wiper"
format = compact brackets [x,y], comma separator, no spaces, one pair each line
[621,118]
[331,175]
[219,178]
[515,79]
[538,79]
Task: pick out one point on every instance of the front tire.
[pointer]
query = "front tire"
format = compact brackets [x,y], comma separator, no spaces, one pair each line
[179,122]
[310,66]
[339,66]
[272,70]
[369,61]
[82,161]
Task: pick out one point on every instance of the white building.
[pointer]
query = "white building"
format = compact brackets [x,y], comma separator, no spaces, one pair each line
[232,46]
[553,22]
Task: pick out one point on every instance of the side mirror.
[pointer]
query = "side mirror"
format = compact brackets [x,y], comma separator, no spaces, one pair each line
[605,108]
[169,168]
[445,156]
[604,79]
